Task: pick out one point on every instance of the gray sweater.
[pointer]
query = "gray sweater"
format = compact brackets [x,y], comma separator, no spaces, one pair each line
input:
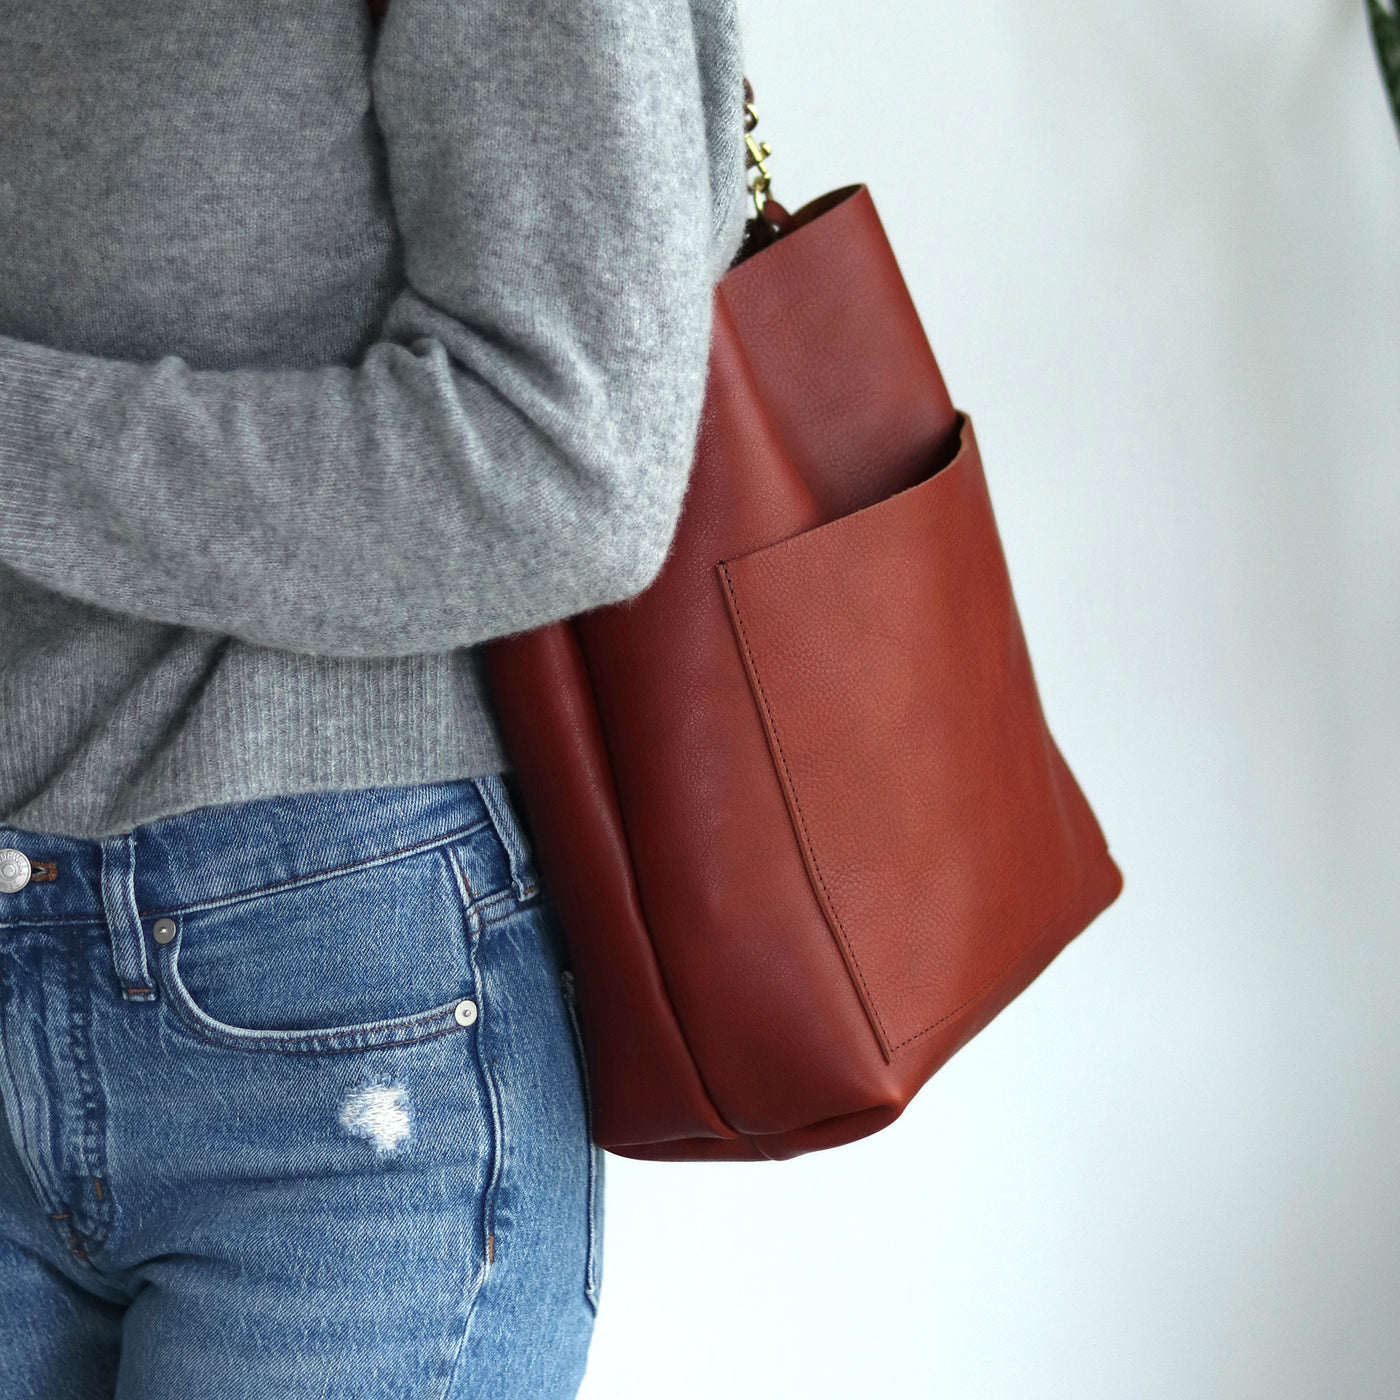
[324,358]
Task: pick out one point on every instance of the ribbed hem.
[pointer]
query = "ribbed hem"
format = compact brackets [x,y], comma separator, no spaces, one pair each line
[263,724]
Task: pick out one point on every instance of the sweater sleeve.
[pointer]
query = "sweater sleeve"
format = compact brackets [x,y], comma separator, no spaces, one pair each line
[515,445]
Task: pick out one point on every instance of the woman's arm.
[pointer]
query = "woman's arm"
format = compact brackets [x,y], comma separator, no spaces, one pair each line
[515,446]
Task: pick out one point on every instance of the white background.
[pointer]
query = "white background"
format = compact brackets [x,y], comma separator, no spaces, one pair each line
[1157,250]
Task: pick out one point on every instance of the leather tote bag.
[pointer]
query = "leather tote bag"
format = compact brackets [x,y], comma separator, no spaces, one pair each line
[797,804]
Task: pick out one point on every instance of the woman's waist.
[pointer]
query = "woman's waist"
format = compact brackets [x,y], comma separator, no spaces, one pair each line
[222,854]
[110,726]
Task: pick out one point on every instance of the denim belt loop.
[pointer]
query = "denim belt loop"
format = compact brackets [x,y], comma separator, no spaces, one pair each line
[493,794]
[123,918]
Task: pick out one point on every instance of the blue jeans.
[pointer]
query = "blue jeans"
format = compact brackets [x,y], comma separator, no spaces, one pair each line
[293,1108]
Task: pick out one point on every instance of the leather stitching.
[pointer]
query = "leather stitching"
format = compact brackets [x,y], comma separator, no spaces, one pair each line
[772,722]
[830,904]
[1011,961]
[335,1040]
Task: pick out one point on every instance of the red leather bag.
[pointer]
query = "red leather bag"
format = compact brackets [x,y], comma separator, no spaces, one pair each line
[797,803]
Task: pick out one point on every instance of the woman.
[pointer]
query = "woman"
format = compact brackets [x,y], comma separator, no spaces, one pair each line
[325,356]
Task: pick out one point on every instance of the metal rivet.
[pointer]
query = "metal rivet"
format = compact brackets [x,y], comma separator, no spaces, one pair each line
[465,1013]
[15,870]
[163,930]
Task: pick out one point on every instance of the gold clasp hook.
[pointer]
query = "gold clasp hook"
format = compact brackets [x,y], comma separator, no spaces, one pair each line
[757,154]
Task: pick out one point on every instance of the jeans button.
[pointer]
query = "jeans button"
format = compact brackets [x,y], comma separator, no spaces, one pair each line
[15,871]
[163,931]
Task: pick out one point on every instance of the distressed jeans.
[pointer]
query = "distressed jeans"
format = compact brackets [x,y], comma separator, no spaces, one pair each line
[293,1108]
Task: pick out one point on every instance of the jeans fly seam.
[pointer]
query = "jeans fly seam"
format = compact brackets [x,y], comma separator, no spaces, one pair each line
[92,1129]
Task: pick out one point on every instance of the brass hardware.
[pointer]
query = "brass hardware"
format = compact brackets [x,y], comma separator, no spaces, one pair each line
[757,153]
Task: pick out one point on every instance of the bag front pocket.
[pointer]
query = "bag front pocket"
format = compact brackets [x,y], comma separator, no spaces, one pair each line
[942,832]
[363,958]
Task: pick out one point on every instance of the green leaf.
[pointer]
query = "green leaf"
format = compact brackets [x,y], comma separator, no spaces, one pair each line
[1385,30]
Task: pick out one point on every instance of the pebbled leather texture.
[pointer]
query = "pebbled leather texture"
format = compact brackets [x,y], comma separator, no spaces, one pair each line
[852,390]
[797,803]
[550,724]
[908,601]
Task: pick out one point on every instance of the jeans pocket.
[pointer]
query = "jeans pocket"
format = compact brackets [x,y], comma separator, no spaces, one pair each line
[593,1269]
[364,958]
